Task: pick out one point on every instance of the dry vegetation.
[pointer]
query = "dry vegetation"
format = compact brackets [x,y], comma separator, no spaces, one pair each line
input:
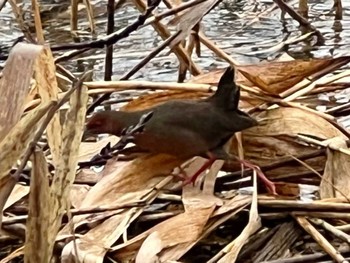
[134,210]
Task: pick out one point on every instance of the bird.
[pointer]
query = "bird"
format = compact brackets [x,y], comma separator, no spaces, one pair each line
[186,128]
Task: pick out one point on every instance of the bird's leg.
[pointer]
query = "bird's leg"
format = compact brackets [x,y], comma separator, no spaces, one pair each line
[269,185]
[204,167]
[221,154]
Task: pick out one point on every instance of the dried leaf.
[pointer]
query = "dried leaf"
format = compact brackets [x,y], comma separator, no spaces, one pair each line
[18,192]
[66,167]
[78,193]
[120,183]
[253,225]
[190,18]
[271,139]
[179,232]
[336,172]
[45,76]
[277,77]
[15,84]
[39,245]
[14,146]
[93,246]
[149,249]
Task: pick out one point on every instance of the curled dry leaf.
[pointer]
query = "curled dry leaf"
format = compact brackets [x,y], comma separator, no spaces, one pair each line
[127,182]
[189,18]
[176,235]
[336,172]
[15,84]
[232,250]
[277,77]
[93,246]
[273,138]
[121,183]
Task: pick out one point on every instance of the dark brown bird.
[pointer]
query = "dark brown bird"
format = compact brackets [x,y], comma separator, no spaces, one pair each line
[186,128]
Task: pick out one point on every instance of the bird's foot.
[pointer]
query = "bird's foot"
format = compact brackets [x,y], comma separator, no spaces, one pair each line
[269,184]
[182,176]
[204,167]
[190,180]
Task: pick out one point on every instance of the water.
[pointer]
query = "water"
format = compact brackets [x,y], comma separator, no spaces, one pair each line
[228,25]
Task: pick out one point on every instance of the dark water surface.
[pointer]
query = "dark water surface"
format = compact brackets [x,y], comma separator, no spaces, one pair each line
[228,25]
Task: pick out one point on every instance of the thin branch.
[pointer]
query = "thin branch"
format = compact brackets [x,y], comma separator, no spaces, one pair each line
[134,70]
[113,38]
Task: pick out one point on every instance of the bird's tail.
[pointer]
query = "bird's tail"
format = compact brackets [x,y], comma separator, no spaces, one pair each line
[228,93]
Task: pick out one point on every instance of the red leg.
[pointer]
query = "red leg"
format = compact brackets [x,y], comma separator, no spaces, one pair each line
[204,167]
[182,176]
[269,185]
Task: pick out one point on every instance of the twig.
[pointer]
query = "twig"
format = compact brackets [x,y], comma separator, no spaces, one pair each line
[151,55]
[70,55]
[329,215]
[159,216]
[38,25]
[302,21]
[172,11]
[82,211]
[113,38]
[291,204]
[315,257]
[74,15]
[65,72]
[134,70]
[109,48]
[322,177]
[18,12]
[338,9]
[344,228]
[90,15]
[303,222]
[336,232]
[2,4]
